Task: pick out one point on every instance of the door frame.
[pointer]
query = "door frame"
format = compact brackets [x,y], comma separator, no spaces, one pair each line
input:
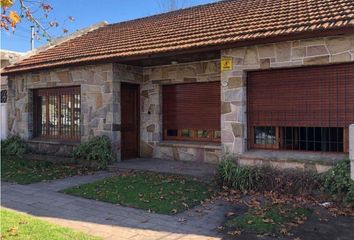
[137,115]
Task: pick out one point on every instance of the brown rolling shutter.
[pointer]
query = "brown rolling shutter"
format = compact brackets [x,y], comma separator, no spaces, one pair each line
[319,96]
[192,105]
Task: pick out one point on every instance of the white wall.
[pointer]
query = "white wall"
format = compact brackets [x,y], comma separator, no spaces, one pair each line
[3,120]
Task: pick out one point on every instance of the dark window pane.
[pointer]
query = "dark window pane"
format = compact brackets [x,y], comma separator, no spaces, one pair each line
[217,134]
[187,133]
[203,134]
[312,139]
[172,132]
[264,135]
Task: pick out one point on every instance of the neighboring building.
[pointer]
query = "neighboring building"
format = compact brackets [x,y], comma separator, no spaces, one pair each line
[246,78]
[6,58]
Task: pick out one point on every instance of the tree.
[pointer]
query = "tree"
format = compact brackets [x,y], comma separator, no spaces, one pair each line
[171,5]
[13,12]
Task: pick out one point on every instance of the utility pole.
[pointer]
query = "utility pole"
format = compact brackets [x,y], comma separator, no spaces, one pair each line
[32,38]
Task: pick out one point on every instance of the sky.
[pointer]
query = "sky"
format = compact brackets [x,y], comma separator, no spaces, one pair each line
[86,13]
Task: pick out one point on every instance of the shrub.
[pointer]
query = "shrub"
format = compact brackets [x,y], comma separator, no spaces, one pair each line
[97,152]
[287,181]
[337,182]
[13,146]
[266,179]
[233,176]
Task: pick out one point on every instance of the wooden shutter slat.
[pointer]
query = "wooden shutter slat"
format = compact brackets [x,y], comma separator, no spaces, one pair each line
[192,106]
[319,96]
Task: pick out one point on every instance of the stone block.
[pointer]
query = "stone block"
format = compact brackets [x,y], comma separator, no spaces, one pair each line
[145,149]
[316,60]
[251,56]
[338,44]
[212,157]
[298,52]
[145,93]
[265,63]
[150,128]
[266,51]
[283,51]
[225,107]
[342,57]
[316,50]
[35,78]
[210,67]
[151,109]
[311,42]
[237,129]
[99,101]
[234,95]
[235,82]
[64,76]
[227,137]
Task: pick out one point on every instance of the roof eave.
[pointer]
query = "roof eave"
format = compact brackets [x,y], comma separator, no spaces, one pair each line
[286,37]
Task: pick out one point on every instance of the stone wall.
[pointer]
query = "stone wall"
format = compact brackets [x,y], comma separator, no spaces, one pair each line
[317,51]
[151,110]
[99,102]
[351,150]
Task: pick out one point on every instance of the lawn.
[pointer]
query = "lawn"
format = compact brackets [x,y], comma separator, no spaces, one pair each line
[272,219]
[166,194]
[17,226]
[26,171]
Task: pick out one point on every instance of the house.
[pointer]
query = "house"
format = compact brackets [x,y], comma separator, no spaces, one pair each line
[267,81]
[7,58]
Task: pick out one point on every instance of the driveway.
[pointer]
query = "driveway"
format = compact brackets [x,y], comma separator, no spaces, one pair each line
[108,220]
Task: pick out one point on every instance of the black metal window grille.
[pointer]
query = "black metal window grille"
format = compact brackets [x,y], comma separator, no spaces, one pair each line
[57,113]
[323,139]
[3,96]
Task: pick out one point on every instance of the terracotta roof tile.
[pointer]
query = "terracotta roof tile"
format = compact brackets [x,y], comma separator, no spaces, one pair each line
[219,23]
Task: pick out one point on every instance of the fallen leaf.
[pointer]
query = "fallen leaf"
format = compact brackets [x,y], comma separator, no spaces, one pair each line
[229,214]
[181,220]
[234,233]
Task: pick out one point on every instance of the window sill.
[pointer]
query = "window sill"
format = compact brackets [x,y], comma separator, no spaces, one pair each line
[53,141]
[325,158]
[186,144]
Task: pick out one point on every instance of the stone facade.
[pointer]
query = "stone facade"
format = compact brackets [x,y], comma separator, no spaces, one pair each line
[351,150]
[318,51]
[151,110]
[100,102]
[100,96]
[97,105]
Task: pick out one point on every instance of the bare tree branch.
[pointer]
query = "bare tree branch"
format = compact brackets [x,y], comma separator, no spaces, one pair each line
[30,17]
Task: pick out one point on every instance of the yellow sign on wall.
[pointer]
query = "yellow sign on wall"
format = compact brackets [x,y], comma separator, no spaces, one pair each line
[226,64]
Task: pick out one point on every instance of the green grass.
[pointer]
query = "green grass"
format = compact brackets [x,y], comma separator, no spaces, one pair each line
[158,193]
[269,220]
[17,226]
[26,171]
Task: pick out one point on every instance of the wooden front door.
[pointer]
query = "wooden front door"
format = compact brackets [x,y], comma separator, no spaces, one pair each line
[130,120]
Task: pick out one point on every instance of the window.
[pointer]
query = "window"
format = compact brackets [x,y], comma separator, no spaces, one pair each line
[305,108]
[264,137]
[324,139]
[191,112]
[57,113]
[3,96]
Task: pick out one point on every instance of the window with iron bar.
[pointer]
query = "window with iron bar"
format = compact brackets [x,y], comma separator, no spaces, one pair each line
[57,113]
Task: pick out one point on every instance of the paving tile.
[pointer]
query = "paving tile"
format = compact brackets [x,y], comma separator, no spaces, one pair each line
[107,220]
